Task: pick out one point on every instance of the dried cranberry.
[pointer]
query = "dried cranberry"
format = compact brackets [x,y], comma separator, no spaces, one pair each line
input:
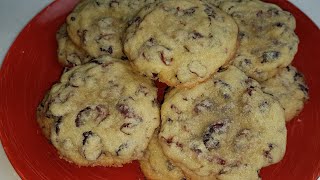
[270,56]
[125,110]
[121,148]
[209,139]
[95,114]
[189,11]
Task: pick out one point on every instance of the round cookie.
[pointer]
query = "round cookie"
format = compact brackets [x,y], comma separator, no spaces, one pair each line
[266,36]
[69,54]
[225,127]
[156,166]
[180,42]
[97,25]
[289,88]
[101,113]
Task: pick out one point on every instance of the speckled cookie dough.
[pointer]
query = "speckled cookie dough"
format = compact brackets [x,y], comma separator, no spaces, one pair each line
[223,128]
[156,166]
[69,54]
[266,35]
[290,89]
[101,113]
[180,42]
[98,25]
[214,2]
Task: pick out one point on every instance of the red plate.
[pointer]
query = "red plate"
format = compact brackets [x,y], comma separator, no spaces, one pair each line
[30,68]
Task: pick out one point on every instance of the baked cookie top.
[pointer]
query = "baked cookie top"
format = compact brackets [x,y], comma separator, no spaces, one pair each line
[214,2]
[290,89]
[156,166]
[224,127]
[101,113]
[266,35]
[69,54]
[97,25]
[180,42]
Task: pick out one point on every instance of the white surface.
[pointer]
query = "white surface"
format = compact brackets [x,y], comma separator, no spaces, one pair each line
[15,14]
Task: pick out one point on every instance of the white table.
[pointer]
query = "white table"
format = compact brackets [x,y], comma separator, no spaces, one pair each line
[15,14]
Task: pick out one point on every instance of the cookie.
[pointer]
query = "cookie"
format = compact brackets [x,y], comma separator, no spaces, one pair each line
[101,113]
[290,89]
[156,166]
[97,25]
[69,54]
[224,127]
[180,42]
[267,41]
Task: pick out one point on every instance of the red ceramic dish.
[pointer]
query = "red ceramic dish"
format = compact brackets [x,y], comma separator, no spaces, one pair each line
[31,67]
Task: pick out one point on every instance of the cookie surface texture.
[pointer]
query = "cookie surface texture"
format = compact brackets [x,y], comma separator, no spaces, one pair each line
[101,113]
[267,41]
[180,42]
[290,89]
[98,25]
[225,127]
[156,166]
[69,54]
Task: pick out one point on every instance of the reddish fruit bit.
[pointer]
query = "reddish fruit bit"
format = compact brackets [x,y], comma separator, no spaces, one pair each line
[186,48]
[95,114]
[180,145]
[279,24]
[196,35]
[259,13]
[142,90]
[125,110]
[189,11]
[202,106]
[155,103]
[273,12]
[57,122]
[126,126]
[196,150]
[168,141]
[92,146]
[165,60]
[137,20]
[267,153]
[124,58]
[222,69]
[249,91]
[224,88]
[108,50]
[220,161]
[304,89]
[170,166]
[83,36]
[209,11]
[154,76]
[263,106]
[241,35]
[208,137]
[297,76]
[86,135]
[121,148]
[270,56]
[175,109]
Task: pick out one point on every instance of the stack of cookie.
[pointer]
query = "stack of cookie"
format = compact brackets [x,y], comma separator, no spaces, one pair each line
[232,88]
